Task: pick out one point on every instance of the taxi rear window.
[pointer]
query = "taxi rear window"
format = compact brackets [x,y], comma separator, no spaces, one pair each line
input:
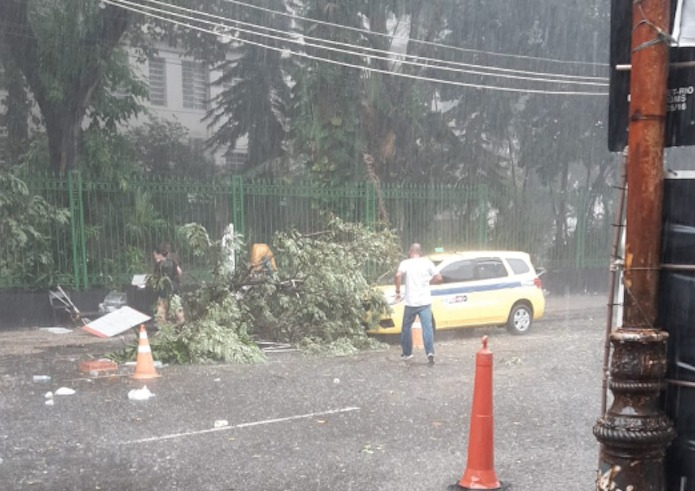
[519,266]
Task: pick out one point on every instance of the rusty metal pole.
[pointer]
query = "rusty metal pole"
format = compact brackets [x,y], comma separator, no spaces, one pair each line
[634,432]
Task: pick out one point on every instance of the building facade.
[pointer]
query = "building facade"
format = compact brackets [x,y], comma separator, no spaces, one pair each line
[181,90]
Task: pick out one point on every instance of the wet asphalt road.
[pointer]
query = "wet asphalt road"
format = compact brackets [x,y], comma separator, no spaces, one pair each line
[366,422]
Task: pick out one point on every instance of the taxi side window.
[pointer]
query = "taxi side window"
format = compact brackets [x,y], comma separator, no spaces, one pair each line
[490,268]
[458,271]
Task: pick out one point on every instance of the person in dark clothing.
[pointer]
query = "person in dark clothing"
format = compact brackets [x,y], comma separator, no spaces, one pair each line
[167,282]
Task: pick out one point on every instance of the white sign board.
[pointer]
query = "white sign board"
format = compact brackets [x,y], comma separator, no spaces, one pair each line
[116,322]
[684,24]
[139,280]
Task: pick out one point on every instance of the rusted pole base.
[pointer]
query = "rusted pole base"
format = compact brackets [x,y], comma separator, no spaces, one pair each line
[634,432]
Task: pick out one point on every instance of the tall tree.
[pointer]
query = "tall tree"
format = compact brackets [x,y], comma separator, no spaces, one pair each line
[255,92]
[63,50]
[15,116]
[326,96]
[396,111]
[351,123]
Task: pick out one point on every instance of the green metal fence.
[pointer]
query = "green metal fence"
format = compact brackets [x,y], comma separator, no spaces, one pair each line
[115,225]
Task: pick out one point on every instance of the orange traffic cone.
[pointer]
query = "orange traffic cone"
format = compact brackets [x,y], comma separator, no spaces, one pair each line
[480,471]
[144,365]
[416,332]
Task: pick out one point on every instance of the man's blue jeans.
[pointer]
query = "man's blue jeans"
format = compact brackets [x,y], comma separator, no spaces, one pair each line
[424,312]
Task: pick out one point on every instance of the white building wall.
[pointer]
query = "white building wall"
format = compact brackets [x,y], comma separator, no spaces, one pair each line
[176,97]
[175,108]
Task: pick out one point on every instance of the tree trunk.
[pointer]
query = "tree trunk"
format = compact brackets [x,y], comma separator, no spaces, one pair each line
[63,113]
[17,114]
[561,211]
[63,137]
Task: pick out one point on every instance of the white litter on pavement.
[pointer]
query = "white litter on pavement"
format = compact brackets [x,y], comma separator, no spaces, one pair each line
[221,423]
[56,330]
[50,402]
[65,391]
[48,395]
[140,394]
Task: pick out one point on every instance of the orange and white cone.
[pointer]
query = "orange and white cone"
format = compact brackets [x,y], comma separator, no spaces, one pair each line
[416,333]
[144,365]
[480,471]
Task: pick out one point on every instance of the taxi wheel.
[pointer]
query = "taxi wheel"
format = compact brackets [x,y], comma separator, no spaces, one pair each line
[520,319]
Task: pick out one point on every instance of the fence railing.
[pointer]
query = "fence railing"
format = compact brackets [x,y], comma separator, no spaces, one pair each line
[114,226]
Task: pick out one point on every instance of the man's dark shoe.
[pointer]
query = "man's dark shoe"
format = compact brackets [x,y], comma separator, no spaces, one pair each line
[430,359]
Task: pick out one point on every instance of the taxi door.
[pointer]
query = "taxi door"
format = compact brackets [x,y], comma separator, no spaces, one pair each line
[452,303]
[493,291]
[472,293]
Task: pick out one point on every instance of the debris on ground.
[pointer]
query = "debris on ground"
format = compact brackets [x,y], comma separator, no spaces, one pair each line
[56,330]
[99,366]
[140,394]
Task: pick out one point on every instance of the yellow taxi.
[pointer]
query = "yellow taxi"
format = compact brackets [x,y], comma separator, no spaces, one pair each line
[479,288]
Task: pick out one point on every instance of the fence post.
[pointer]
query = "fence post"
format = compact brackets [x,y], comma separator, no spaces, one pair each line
[369,204]
[579,256]
[482,220]
[79,254]
[237,199]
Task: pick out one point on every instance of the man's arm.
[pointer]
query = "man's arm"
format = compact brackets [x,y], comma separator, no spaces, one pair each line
[436,279]
[397,282]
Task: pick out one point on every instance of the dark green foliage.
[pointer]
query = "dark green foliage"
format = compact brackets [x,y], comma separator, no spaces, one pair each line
[162,148]
[254,93]
[15,117]
[26,222]
[320,293]
[318,300]
[120,95]
[332,123]
[221,334]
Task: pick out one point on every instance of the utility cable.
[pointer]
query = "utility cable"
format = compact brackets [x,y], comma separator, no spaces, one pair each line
[428,43]
[401,57]
[123,4]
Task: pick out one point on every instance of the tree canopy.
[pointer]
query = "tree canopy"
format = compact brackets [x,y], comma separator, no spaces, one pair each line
[64,50]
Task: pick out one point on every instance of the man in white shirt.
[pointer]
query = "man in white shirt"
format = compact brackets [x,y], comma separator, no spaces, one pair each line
[417,273]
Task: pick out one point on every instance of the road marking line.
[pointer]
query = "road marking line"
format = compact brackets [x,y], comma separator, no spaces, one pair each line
[241,425]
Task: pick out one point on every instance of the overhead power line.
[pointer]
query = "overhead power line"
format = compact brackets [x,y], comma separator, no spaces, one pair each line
[137,8]
[419,41]
[362,51]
